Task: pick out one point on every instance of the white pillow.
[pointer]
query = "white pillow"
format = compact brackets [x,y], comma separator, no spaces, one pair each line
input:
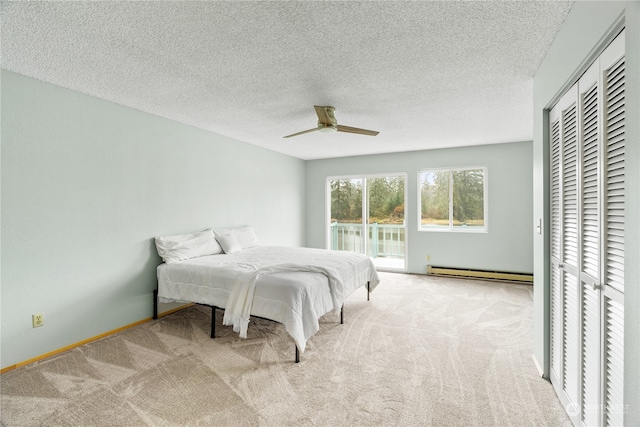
[229,244]
[245,236]
[180,247]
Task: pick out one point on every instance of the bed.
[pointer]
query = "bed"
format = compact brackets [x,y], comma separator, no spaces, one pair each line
[292,286]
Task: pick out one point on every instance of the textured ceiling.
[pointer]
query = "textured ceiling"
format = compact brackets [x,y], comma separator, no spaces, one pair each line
[425,74]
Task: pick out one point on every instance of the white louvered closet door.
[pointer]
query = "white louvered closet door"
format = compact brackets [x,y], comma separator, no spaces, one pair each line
[613,75]
[587,243]
[590,241]
[565,303]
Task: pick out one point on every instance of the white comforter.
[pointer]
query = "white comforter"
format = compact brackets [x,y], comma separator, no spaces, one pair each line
[296,299]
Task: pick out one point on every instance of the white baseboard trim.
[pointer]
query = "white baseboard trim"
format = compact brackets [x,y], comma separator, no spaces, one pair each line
[535,362]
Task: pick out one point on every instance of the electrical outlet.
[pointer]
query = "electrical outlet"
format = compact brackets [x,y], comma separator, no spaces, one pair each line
[37,319]
[428,258]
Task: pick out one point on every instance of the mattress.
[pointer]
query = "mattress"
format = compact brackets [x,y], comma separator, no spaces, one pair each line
[295,299]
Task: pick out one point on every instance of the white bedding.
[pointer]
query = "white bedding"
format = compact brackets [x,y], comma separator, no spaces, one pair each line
[296,299]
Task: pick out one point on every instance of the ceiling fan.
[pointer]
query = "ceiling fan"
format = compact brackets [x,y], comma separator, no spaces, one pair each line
[327,123]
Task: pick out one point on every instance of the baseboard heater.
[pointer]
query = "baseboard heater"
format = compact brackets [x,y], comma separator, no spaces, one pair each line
[479,274]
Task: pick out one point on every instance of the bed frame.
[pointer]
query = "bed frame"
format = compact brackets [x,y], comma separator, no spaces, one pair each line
[214,308]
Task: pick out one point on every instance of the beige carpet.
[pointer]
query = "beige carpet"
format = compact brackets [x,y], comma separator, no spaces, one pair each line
[424,351]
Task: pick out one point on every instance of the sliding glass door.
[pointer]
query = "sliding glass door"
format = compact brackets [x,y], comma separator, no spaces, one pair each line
[367,216]
[346,229]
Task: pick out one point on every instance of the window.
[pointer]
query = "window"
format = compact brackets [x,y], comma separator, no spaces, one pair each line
[452,200]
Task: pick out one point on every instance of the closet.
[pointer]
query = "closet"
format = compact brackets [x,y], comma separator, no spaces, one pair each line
[587,179]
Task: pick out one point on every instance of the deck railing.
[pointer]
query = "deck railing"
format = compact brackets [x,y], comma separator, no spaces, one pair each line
[384,240]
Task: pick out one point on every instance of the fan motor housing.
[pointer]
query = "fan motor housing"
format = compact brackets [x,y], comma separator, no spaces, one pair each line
[325,128]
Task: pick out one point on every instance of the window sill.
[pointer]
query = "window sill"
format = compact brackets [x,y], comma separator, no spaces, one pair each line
[453,230]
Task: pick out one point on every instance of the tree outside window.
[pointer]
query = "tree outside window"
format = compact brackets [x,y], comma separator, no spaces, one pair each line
[346,200]
[452,199]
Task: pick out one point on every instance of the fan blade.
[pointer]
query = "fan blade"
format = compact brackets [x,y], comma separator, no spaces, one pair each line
[300,133]
[322,115]
[357,130]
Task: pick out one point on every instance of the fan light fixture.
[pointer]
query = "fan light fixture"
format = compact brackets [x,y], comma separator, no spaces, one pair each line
[326,128]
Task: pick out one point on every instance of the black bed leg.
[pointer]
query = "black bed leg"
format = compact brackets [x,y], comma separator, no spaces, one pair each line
[213,322]
[155,304]
[368,290]
[297,355]
[342,315]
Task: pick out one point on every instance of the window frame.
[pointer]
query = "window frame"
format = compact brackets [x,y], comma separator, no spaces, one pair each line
[451,228]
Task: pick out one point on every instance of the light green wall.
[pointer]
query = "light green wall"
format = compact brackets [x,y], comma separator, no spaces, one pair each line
[581,38]
[87,184]
[508,244]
